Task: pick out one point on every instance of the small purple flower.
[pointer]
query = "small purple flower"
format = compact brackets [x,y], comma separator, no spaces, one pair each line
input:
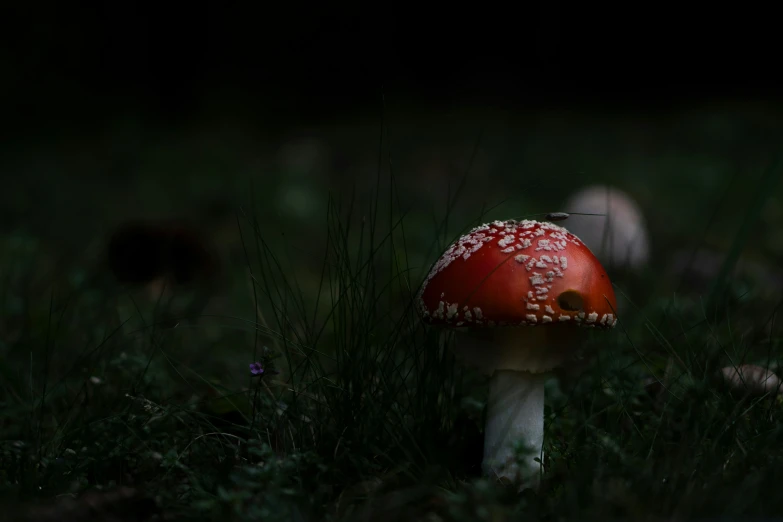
[256,369]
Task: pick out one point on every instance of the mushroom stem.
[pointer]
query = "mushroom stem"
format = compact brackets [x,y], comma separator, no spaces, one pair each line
[515,413]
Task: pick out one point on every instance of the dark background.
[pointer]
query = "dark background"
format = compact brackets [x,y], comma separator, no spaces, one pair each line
[125,110]
[69,65]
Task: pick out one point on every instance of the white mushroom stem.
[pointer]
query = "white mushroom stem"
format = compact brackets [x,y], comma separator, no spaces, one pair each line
[515,414]
[518,361]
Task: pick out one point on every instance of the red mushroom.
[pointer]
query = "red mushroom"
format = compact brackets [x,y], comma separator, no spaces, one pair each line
[519,290]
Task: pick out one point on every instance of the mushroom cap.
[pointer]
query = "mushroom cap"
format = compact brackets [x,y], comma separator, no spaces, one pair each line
[750,379]
[509,273]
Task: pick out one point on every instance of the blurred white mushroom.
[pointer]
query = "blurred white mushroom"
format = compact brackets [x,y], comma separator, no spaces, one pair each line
[619,238]
[750,379]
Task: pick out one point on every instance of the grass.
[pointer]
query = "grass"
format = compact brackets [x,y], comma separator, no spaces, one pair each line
[370,416]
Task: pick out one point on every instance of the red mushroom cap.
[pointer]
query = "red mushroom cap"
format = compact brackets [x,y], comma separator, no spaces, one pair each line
[511,272]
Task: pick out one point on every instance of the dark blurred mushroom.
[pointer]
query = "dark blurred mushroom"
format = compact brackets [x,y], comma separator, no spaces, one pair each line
[135,253]
[163,258]
[140,253]
[750,379]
